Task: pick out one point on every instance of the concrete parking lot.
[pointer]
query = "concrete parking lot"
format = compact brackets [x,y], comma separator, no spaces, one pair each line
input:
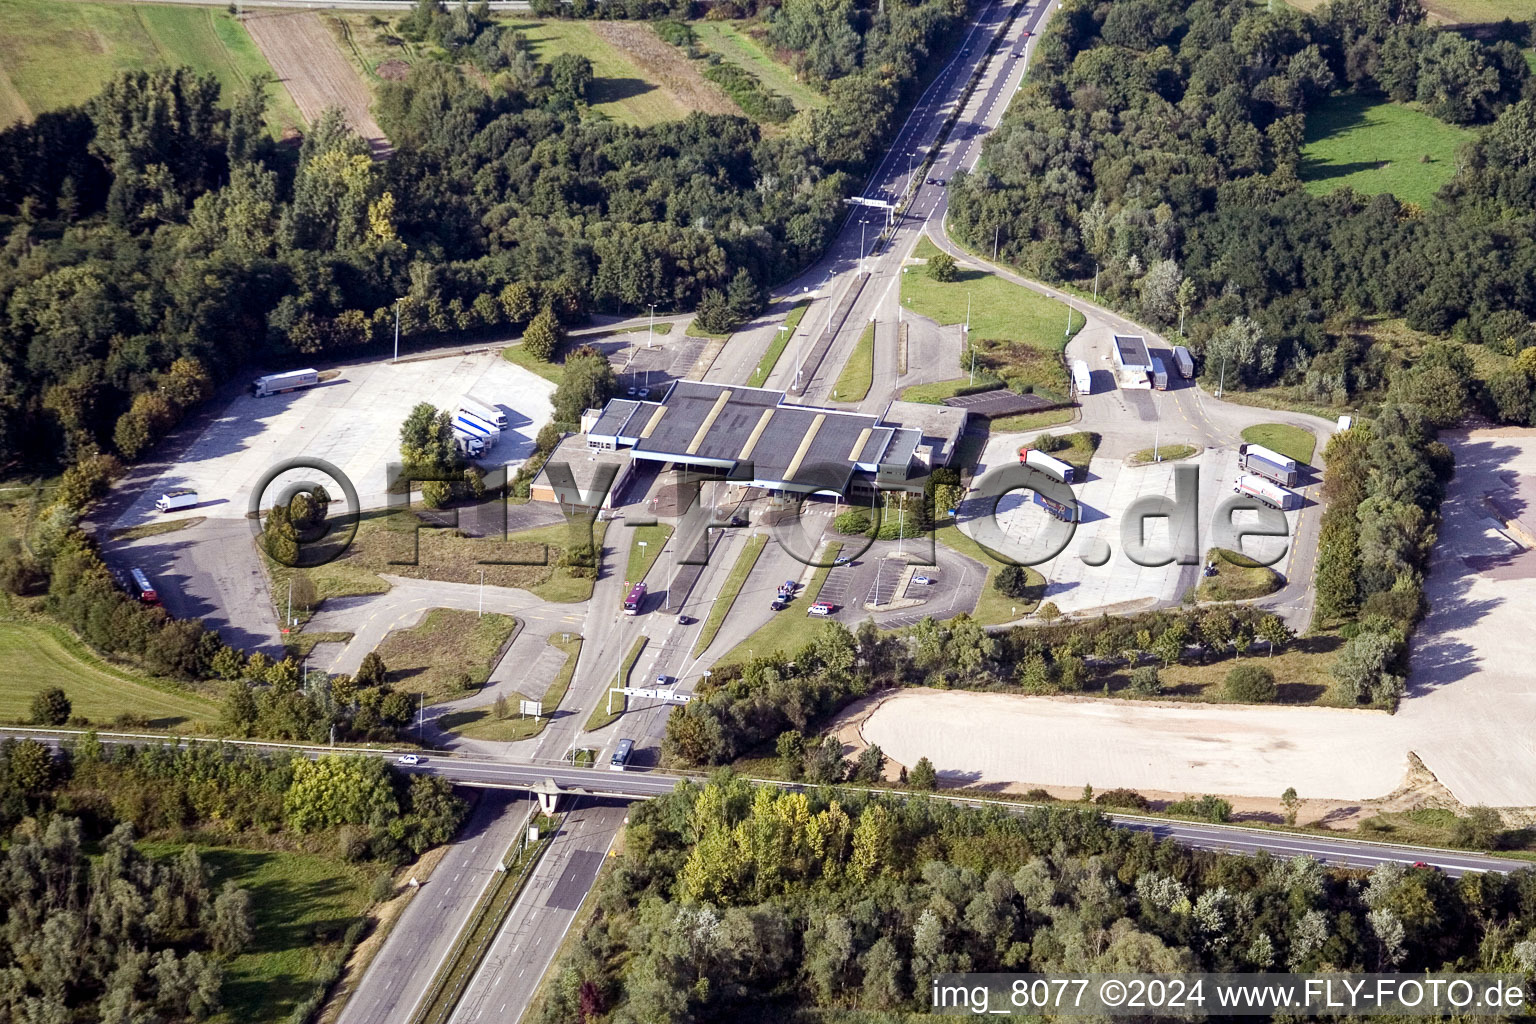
[352,422]
[1112,486]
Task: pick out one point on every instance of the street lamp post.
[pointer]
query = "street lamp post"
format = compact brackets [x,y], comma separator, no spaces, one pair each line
[482,593]
[650,334]
[1096,283]
[1221,382]
[397,332]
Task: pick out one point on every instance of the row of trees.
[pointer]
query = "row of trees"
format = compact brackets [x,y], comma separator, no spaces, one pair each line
[1159,141]
[743,706]
[728,899]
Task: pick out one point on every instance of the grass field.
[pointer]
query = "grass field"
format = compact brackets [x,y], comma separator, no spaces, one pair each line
[155,529]
[430,656]
[388,543]
[642,558]
[729,592]
[993,606]
[1373,145]
[1018,335]
[601,716]
[792,628]
[303,904]
[620,89]
[1237,578]
[1303,675]
[59,54]
[482,724]
[776,348]
[1459,12]
[34,657]
[1292,442]
[1078,452]
[739,48]
[858,374]
[552,372]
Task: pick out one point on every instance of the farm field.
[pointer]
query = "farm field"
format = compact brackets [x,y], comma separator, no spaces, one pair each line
[731,44]
[58,54]
[306,58]
[1375,146]
[1458,12]
[34,657]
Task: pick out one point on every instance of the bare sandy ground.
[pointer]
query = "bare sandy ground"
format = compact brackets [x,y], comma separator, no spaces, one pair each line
[1469,716]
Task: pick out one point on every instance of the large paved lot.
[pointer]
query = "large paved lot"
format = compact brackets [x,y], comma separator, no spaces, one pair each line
[352,422]
[1111,488]
[1468,714]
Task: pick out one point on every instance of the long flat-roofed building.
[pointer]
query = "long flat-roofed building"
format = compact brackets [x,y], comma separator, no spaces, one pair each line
[755,436]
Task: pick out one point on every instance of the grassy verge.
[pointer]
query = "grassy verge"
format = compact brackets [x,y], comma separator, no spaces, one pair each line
[299,645]
[780,343]
[37,656]
[729,592]
[449,643]
[1292,442]
[992,606]
[739,48]
[1303,674]
[1373,145]
[792,628]
[484,922]
[482,724]
[1237,578]
[695,331]
[305,907]
[1031,420]
[1018,334]
[1165,453]
[663,328]
[858,374]
[156,529]
[516,354]
[642,558]
[601,716]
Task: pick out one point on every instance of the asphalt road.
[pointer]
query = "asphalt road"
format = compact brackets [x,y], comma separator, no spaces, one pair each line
[507,978]
[424,934]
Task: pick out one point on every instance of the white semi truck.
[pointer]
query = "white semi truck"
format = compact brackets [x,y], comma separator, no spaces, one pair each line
[1082,379]
[1267,491]
[1062,471]
[468,444]
[1255,458]
[476,427]
[492,414]
[276,383]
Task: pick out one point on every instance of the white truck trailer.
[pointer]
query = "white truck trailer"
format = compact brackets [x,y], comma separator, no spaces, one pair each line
[1159,374]
[175,501]
[1082,378]
[476,427]
[277,383]
[492,414]
[1255,458]
[1267,491]
[1062,471]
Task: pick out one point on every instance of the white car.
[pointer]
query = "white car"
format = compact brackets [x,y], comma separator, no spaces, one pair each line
[407,759]
[924,580]
[663,681]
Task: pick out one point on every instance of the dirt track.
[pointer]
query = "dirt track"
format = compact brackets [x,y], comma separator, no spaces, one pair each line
[317,74]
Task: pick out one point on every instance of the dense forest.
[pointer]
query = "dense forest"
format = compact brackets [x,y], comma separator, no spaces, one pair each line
[153,236]
[91,928]
[1157,145]
[742,904]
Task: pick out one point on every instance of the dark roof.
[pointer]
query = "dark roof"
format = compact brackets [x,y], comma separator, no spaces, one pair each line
[1131,350]
[1000,402]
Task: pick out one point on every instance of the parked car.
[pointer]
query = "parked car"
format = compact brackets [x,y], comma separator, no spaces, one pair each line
[778,605]
[407,759]
[632,392]
[822,608]
[924,580]
[645,392]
